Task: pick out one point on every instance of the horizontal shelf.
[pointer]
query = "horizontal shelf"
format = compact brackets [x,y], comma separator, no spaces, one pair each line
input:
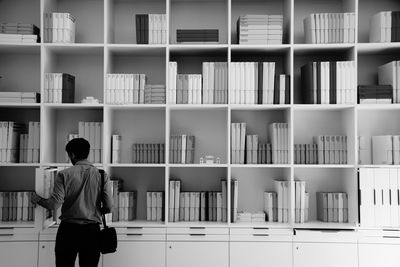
[20,48]
[20,105]
[4,225]
[197,224]
[197,106]
[136,106]
[198,165]
[377,47]
[379,166]
[141,165]
[324,225]
[259,107]
[19,164]
[73,105]
[378,107]
[260,225]
[259,48]
[136,223]
[322,107]
[306,48]
[324,166]
[260,166]
[67,165]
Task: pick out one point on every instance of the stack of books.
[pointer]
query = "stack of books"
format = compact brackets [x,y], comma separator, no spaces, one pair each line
[305,154]
[379,184]
[301,202]
[325,28]
[59,88]
[376,94]
[182,149]
[148,153]
[29,144]
[93,133]
[151,28]
[197,206]
[248,217]
[328,82]
[19,97]
[385,27]
[197,36]
[389,74]
[332,207]
[271,206]
[59,28]
[19,33]
[386,149]
[125,89]
[256,83]
[16,206]
[154,94]
[154,206]
[260,29]
[332,149]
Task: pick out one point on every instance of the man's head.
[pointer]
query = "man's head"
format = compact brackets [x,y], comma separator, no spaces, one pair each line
[77,149]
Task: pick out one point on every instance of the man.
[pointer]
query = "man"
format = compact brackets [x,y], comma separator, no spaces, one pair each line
[79,190]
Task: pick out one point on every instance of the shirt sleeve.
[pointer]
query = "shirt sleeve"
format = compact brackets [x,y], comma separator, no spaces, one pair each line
[107,200]
[57,196]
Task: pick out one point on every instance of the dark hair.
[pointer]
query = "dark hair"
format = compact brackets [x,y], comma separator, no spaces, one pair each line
[79,147]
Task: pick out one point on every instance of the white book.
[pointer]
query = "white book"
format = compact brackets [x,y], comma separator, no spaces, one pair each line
[279,189]
[187,206]
[176,201]
[171,203]
[192,206]
[382,149]
[205,71]
[197,207]
[377,32]
[394,203]
[387,74]
[242,142]
[309,29]
[181,206]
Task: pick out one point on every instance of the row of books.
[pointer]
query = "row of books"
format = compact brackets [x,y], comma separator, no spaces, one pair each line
[270,206]
[12,150]
[148,153]
[151,28]
[302,200]
[182,149]
[385,149]
[19,33]
[59,88]
[125,88]
[282,202]
[385,27]
[197,35]
[249,217]
[19,97]
[375,94]
[325,82]
[325,28]
[116,148]
[154,206]
[379,197]
[197,206]
[215,83]
[389,74]
[59,28]
[29,144]
[305,154]
[127,206]
[189,89]
[332,207]
[16,206]
[116,188]
[332,149]
[260,29]
[92,132]
[256,83]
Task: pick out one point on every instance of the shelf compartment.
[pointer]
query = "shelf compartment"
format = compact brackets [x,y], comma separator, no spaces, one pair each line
[121,26]
[21,11]
[209,128]
[212,14]
[329,180]
[89,15]
[304,8]
[57,124]
[17,178]
[85,63]
[144,126]
[140,180]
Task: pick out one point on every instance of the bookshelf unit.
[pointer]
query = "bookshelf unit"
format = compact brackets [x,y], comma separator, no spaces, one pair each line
[106,44]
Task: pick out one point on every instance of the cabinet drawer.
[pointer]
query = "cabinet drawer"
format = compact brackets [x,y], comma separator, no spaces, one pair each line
[198,237]
[140,237]
[325,236]
[260,231]
[141,230]
[198,230]
[18,234]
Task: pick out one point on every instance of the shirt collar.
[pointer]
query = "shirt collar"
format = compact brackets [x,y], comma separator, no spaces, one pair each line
[84,162]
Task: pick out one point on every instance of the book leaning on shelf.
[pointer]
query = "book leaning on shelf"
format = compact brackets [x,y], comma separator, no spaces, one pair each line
[385,27]
[381,184]
[59,88]
[389,74]
[151,28]
[16,206]
[181,149]
[257,83]
[260,29]
[325,28]
[59,28]
[197,206]
[385,149]
[19,33]
[328,82]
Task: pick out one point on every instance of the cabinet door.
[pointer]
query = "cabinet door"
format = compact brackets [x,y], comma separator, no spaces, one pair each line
[47,256]
[260,254]
[10,253]
[197,254]
[131,254]
[372,255]
[325,254]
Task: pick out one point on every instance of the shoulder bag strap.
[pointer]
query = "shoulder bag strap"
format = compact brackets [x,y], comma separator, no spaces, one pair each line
[101,193]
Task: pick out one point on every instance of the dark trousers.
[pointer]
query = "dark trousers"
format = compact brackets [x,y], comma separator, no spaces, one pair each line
[77,239]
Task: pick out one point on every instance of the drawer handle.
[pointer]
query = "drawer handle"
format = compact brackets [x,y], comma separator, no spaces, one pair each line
[197,234]
[260,234]
[201,228]
[385,236]
[6,234]
[260,228]
[134,228]
[138,234]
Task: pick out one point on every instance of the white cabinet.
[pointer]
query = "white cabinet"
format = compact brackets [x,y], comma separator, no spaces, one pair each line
[197,254]
[260,254]
[19,253]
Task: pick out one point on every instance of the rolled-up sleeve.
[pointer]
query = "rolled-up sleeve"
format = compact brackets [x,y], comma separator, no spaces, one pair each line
[57,196]
[107,200]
